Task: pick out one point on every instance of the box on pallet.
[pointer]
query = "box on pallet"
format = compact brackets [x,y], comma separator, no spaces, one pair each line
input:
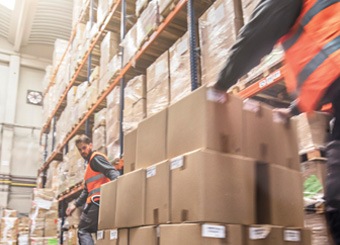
[143,235]
[134,103]
[279,196]
[153,131]
[157,84]
[107,210]
[180,84]
[147,22]
[130,143]
[217,34]
[113,237]
[130,209]
[211,195]
[219,125]
[157,206]
[195,233]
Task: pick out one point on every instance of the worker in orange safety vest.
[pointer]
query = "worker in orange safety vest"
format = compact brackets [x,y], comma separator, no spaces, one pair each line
[309,32]
[98,171]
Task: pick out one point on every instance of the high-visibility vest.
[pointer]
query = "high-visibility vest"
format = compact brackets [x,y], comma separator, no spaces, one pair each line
[312,52]
[93,179]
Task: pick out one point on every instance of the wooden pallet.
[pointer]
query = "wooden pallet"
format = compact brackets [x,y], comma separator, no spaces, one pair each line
[313,155]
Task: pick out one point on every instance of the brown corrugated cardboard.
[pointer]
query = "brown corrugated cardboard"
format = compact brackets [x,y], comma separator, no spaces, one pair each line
[130,142]
[107,209]
[297,236]
[264,235]
[266,140]
[312,130]
[180,84]
[143,235]
[212,187]
[212,234]
[113,237]
[157,207]
[195,122]
[130,209]
[279,196]
[217,34]
[151,140]
[158,85]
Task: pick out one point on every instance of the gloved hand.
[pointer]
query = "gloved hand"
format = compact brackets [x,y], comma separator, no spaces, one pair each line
[70,209]
[215,95]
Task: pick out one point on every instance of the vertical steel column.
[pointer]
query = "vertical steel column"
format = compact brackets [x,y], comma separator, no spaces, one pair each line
[89,68]
[62,211]
[192,44]
[54,125]
[122,82]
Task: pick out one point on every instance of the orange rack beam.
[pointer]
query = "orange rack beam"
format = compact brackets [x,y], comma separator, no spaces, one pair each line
[128,66]
[75,75]
[263,84]
[73,191]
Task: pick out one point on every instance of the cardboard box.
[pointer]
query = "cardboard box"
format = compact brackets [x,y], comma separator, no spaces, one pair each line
[196,122]
[130,143]
[297,236]
[157,207]
[180,83]
[266,140]
[158,84]
[212,234]
[143,235]
[312,131]
[107,209]
[279,196]
[208,186]
[130,209]
[151,140]
[217,35]
[113,237]
[264,235]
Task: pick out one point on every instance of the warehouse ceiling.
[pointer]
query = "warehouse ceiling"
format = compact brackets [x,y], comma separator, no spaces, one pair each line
[35,22]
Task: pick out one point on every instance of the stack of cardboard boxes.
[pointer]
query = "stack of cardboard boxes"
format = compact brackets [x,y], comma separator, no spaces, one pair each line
[202,172]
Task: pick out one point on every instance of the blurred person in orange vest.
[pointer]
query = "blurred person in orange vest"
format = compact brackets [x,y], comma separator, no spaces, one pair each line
[309,32]
[98,171]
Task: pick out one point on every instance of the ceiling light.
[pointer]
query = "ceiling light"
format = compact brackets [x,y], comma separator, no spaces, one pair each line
[8,4]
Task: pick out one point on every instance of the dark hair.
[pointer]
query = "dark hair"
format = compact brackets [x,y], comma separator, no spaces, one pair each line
[83,139]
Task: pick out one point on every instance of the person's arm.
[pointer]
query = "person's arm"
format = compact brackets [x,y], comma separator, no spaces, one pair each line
[100,164]
[270,20]
[81,200]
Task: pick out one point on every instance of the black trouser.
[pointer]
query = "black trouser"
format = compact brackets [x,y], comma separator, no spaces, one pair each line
[88,224]
[332,195]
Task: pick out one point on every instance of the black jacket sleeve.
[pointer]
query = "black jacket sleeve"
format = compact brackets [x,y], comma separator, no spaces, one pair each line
[270,20]
[100,164]
[81,200]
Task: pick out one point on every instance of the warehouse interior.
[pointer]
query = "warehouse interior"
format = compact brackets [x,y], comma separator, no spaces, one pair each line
[135,76]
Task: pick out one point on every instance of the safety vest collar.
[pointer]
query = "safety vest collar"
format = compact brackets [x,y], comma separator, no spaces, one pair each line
[317,8]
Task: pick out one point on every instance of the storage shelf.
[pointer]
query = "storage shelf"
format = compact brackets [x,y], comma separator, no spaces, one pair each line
[73,190]
[174,24]
[84,12]
[60,106]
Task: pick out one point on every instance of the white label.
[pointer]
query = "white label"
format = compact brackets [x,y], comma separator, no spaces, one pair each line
[100,235]
[292,236]
[182,46]
[270,79]
[256,233]
[113,234]
[160,68]
[251,105]
[214,231]
[151,171]
[177,162]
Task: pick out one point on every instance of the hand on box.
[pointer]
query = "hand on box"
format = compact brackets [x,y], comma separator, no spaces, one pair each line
[282,114]
[216,95]
[70,209]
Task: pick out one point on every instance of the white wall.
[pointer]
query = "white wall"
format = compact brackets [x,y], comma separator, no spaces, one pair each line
[4,70]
